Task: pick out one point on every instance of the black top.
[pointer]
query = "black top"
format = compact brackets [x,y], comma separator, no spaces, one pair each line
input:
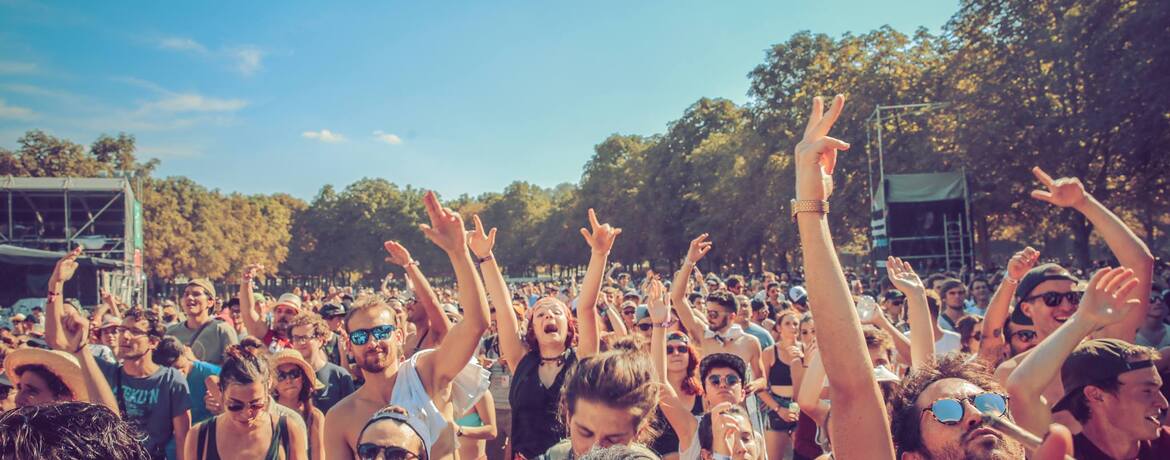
[207,449]
[535,423]
[779,373]
[667,440]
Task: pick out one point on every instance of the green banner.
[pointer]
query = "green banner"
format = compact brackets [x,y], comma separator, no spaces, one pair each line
[138,239]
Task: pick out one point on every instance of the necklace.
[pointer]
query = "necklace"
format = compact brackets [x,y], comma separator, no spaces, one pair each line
[558,359]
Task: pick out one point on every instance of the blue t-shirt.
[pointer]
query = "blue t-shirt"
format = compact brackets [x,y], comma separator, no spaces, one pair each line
[760,334]
[150,403]
[196,382]
[338,384]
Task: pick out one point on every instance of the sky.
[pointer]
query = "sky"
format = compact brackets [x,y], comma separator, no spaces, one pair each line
[457,97]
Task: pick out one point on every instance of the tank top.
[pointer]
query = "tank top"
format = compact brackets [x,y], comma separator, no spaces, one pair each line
[535,420]
[779,374]
[207,450]
[667,441]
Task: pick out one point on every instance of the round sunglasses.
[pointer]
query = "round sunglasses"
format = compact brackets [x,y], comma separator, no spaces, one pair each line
[950,411]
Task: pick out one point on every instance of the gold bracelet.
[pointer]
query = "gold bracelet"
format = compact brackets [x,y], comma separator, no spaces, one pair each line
[817,206]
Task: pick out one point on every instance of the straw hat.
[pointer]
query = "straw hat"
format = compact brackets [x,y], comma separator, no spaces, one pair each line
[288,356]
[61,364]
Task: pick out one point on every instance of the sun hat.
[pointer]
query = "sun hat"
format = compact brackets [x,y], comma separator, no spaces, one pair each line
[289,356]
[61,364]
[289,300]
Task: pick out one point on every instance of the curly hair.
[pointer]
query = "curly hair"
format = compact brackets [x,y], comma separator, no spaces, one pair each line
[68,430]
[320,328]
[906,422]
[530,331]
[55,384]
[618,379]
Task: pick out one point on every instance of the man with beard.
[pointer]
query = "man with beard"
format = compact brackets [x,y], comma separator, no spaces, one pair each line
[433,386]
[938,415]
[722,333]
[206,335]
[424,312]
[276,334]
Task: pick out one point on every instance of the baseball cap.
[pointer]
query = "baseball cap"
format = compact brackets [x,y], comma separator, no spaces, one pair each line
[641,312]
[1040,274]
[1094,361]
[797,294]
[893,294]
[205,284]
[330,310]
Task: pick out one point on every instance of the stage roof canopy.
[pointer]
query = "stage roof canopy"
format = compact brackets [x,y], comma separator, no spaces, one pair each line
[917,188]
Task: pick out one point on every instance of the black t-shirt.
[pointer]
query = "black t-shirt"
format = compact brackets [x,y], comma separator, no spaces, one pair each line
[1158,449]
[667,440]
[338,384]
[535,423]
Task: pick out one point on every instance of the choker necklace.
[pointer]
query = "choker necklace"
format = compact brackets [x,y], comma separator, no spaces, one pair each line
[559,359]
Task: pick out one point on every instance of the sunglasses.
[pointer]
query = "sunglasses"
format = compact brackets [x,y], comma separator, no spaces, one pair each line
[629,312]
[1024,336]
[897,303]
[672,349]
[293,374]
[370,451]
[950,411]
[239,406]
[729,380]
[362,336]
[645,326]
[1052,299]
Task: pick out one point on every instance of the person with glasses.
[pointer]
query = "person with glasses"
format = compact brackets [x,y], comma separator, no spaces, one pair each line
[541,355]
[682,373]
[307,332]
[893,303]
[1154,331]
[1111,387]
[433,385]
[970,333]
[295,386]
[249,428]
[721,333]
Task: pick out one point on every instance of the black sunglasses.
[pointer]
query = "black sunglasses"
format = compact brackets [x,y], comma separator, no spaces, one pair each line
[361,336]
[1025,336]
[1052,299]
[238,406]
[730,380]
[672,349]
[645,326]
[370,451]
[293,374]
[950,411]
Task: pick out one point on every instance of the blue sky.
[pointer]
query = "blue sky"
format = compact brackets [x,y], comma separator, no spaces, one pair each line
[459,97]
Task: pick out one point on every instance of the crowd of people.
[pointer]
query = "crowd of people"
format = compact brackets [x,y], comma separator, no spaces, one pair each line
[1034,360]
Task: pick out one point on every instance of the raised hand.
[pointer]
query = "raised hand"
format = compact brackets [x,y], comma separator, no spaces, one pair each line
[76,329]
[1064,192]
[397,254]
[601,238]
[1105,300]
[1021,262]
[903,277]
[816,154]
[252,271]
[656,301]
[446,229]
[65,267]
[699,247]
[481,243]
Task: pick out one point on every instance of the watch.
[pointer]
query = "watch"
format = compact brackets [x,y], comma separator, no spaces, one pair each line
[817,206]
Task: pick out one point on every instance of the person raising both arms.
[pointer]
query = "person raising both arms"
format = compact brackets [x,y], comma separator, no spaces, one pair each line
[721,334]
[433,385]
[540,362]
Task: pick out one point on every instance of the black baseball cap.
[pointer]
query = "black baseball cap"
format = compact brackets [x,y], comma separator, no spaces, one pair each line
[1040,274]
[893,294]
[330,310]
[1094,361]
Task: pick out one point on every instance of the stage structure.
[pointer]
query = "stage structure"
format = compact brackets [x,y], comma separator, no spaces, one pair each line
[923,218]
[50,215]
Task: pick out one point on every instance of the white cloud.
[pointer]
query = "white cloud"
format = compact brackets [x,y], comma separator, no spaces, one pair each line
[16,112]
[182,44]
[324,135]
[388,138]
[248,59]
[191,102]
[14,67]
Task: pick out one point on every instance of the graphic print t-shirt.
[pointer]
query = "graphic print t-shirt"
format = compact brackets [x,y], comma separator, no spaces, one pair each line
[149,403]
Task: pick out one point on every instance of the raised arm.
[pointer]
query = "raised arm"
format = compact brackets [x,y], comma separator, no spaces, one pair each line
[921,329]
[677,413]
[600,239]
[678,291]
[423,293]
[249,310]
[1130,250]
[1000,306]
[812,382]
[1106,302]
[481,244]
[855,391]
[456,350]
[62,272]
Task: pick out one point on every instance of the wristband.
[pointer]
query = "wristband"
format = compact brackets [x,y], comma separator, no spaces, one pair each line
[1009,280]
[715,456]
[665,324]
[817,206]
[485,258]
